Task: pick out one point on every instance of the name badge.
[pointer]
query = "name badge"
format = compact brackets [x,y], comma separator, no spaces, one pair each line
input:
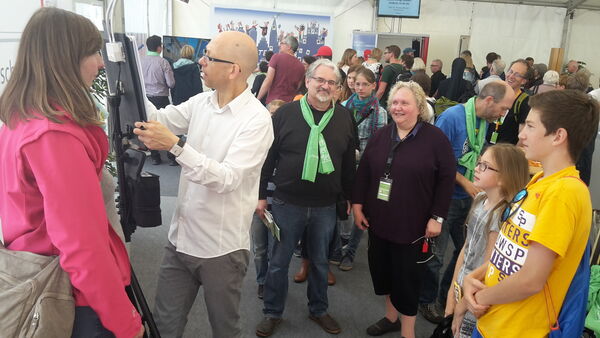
[494,138]
[385,187]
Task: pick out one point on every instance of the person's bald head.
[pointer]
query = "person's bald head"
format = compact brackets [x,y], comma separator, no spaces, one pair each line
[236,47]
[494,100]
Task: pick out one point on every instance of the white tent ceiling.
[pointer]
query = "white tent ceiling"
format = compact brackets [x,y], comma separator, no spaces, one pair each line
[569,4]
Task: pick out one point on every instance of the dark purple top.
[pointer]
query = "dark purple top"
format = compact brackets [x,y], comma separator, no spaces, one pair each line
[423,172]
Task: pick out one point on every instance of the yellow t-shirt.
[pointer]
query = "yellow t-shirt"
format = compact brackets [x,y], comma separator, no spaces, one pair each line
[556,213]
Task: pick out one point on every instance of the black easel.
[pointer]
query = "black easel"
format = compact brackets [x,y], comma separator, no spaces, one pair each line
[124,205]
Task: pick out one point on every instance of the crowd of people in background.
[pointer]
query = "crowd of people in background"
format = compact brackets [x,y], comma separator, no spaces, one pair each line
[467,138]
[464,135]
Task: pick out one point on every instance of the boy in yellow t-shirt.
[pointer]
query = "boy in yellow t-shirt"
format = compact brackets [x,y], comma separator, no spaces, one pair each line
[519,293]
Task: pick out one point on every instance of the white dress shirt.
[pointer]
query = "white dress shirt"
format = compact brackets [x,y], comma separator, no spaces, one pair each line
[220,170]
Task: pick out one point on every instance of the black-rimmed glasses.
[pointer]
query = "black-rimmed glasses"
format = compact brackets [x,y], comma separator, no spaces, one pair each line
[514,205]
[482,166]
[211,59]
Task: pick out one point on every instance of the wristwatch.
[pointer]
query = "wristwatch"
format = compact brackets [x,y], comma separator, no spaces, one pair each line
[437,219]
[177,148]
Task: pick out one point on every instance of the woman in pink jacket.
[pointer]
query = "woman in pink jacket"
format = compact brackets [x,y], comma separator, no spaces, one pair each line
[52,151]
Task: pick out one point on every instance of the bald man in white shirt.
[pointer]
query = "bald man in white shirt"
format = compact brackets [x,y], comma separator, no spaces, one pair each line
[229,133]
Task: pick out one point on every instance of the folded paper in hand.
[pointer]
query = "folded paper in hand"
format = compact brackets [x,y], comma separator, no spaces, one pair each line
[271,225]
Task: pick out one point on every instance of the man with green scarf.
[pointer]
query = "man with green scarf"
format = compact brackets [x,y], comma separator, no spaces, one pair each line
[313,157]
[158,78]
[465,125]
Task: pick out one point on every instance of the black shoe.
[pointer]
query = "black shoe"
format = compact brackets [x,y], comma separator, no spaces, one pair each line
[173,163]
[383,326]
[431,312]
[266,327]
[156,161]
[261,291]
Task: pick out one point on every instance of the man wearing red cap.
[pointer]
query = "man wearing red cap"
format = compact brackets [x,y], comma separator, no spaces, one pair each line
[324,52]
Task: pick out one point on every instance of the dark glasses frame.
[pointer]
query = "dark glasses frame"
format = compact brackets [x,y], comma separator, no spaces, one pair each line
[484,167]
[212,59]
[514,205]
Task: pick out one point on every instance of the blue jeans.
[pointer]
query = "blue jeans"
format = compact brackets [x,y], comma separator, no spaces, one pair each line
[87,324]
[335,247]
[453,227]
[262,244]
[355,237]
[293,220]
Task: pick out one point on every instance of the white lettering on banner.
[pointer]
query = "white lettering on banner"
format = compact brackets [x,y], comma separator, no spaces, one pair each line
[509,250]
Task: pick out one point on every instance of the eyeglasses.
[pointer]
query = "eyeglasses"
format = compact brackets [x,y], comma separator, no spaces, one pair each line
[211,59]
[511,72]
[321,81]
[514,205]
[482,166]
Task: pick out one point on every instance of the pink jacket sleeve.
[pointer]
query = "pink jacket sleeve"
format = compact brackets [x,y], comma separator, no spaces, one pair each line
[77,225]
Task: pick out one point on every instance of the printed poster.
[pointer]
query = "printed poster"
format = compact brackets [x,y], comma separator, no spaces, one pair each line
[268,28]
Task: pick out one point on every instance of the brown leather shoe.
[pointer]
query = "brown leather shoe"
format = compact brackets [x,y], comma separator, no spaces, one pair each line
[266,327]
[327,323]
[302,274]
[330,278]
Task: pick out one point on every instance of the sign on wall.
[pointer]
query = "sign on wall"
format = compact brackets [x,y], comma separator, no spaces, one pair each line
[12,21]
[268,28]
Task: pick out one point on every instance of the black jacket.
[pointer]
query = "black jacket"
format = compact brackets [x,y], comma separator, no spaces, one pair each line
[287,157]
[187,83]
[436,79]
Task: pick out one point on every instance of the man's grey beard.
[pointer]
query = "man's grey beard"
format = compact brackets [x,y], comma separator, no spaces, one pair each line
[323,98]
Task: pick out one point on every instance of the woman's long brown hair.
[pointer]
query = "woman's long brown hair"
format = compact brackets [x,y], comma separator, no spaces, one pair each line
[47,69]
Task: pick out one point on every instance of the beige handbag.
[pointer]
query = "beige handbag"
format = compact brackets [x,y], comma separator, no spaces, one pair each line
[35,296]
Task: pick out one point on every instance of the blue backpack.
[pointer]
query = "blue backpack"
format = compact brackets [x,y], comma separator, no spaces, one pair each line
[571,319]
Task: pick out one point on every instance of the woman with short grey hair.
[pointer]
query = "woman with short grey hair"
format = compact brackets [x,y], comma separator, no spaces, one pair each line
[550,82]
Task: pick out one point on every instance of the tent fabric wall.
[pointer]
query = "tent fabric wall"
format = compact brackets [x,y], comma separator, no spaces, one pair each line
[515,31]
[584,41]
[443,21]
[146,17]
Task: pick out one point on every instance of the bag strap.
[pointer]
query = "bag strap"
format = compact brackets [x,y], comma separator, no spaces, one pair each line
[519,102]
[362,119]
[556,325]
